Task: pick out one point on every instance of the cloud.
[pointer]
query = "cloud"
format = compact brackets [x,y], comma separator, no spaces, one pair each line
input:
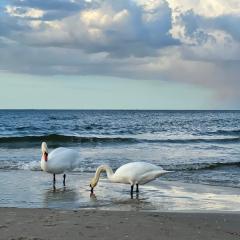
[191,41]
[53,9]
[120,30]
[50,5]
[228,24]
[206,8]
[24,12]
[194,23]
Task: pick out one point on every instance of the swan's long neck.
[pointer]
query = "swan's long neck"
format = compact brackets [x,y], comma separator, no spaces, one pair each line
[44,156]
[103,168]
[43,164]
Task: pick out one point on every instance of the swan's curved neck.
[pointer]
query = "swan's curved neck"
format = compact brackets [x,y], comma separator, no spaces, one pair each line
[103,168]
[43,164]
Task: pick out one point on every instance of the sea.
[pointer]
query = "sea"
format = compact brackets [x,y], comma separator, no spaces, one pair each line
[201,148]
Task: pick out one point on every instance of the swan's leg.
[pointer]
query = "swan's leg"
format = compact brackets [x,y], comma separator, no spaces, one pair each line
[132,189]
[137,190]
[54,180]
[137,195]
[64,179]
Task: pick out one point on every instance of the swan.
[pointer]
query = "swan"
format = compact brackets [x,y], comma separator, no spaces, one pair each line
[134,173]
[58,161]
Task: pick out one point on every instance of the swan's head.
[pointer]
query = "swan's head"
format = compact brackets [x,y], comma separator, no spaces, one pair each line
[44,151]
[93,183]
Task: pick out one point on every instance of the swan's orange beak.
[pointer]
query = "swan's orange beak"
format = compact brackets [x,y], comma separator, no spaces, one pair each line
[45,156]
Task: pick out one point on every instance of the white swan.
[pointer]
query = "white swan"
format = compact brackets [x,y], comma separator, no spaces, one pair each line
[135,173]
[58,161]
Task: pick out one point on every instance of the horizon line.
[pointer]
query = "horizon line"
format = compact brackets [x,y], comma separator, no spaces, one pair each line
[108,109]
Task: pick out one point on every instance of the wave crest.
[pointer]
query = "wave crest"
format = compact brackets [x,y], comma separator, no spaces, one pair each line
[58,139]
[201,166]
[230,132]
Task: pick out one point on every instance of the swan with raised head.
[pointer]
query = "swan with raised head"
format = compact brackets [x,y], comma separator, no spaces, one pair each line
[58,161]
[134,173]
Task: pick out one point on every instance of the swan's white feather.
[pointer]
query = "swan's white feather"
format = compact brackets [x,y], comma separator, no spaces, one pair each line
[60,160]
[137,173]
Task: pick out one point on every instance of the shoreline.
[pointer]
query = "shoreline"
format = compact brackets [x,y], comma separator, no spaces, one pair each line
[35,191]
[43,224]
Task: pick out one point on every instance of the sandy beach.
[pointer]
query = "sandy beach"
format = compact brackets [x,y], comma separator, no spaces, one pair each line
[43,224]
[163,210]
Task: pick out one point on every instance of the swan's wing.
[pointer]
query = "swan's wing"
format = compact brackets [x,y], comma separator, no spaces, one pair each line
[60,150]
[136,168]
[149,176]
[130,172]
[140,172]
[63,159]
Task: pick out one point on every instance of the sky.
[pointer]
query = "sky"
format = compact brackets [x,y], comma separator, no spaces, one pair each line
[120,54]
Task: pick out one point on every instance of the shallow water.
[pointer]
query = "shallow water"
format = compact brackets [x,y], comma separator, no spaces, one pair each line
[34,190]
[201,147]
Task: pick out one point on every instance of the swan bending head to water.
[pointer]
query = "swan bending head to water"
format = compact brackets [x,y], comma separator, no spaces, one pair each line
[135,173]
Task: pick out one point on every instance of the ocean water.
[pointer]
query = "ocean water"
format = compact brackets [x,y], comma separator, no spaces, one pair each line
[200,147]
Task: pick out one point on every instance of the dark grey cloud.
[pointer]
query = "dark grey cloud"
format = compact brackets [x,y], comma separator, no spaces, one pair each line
[11,25]
[53,9]
[195,25]
[228,23]
[192,25]
[56,5]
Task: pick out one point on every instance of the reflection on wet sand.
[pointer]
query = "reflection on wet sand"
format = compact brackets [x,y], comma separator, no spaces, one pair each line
[166,196]
[119,201]
[60,197]
[157,196]
[93,197]
[34,191]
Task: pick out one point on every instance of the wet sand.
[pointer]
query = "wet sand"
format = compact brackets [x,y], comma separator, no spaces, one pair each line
[43,224]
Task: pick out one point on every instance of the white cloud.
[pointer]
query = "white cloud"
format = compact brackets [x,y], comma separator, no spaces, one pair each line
[24,12]
[120,30]
[207,8]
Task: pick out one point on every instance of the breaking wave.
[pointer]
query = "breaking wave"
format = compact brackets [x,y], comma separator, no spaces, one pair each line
[29,141]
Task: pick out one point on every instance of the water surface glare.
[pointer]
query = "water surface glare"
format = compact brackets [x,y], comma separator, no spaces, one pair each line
[34,190]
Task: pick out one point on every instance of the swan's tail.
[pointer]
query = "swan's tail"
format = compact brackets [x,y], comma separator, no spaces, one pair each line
[162,172]
[166,171]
